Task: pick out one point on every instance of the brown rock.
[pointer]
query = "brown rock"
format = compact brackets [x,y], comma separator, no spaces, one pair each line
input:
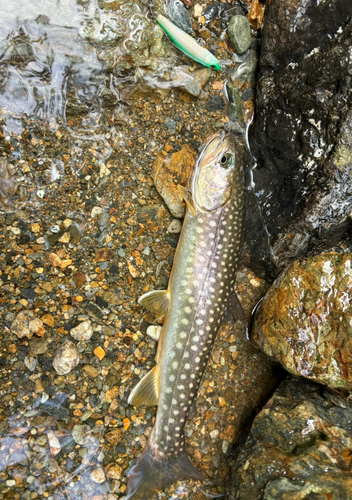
[79,278]
[168,172]
[304,321]
[48,320]
[54,260]
[21,324]
[104,254]
[90,370]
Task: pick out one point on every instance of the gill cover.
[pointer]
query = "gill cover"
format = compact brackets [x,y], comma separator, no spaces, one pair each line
[213,179]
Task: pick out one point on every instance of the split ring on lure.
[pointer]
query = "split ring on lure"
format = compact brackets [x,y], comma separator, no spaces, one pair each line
[187,44]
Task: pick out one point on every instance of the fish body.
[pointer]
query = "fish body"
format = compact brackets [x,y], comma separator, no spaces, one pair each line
[187,44]
[200,289]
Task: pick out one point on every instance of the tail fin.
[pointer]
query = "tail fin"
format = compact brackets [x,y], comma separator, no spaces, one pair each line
[153,474]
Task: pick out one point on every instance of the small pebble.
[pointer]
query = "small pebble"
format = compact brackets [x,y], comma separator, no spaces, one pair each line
[175,226]
[97,475]
[66,358]
[83,331]
[96,211]
[81,433]
[154,332]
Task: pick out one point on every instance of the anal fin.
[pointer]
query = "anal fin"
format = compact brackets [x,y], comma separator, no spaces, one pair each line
[146,391]
[156,302]
[188,199]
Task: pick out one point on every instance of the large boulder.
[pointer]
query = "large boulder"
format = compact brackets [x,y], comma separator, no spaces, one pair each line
[299,447]
[300,197]
[304,320]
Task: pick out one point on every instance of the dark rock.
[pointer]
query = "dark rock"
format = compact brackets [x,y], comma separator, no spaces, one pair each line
[298,448]
[304,93]
[210,12]
[304,321]
[179,15]
[27,293]
[215,103]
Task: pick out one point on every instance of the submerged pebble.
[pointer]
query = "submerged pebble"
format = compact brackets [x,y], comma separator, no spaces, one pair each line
[66,358]
[239,32]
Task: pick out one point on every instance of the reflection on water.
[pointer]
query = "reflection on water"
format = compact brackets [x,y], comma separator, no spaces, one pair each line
[60,65]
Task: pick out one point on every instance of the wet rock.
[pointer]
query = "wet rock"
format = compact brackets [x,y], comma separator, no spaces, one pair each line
[179,15]
[191,82]
[304,321]
[299,447]
[239,32]
[210,12]
[83,331]
[215,103]
[66,358]
[170,171]
[197,82]
[302,117]
[21,324]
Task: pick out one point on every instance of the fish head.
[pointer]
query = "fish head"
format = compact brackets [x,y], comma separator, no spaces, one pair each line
[213,180]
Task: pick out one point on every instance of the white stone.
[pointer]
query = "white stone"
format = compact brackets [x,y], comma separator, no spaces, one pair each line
[66,358]
[175,226]
[96,211]
[83,331]
[154,332]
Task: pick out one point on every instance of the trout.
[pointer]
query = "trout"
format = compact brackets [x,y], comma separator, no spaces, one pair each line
[200,292]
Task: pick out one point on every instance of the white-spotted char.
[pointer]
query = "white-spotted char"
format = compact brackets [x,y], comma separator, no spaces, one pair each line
[200,289]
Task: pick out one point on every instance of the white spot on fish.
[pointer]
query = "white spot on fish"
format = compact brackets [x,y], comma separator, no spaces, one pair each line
[179,345]
[172,378]
[174,364]
[184,321]
[199,321]
[183,335]
[187,366]
[194,348]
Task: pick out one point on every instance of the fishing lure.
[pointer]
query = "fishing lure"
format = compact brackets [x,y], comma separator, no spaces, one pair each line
[187,44]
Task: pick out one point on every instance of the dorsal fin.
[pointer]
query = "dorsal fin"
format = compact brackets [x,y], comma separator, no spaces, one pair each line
[146,391]
[188,199]
[156,302]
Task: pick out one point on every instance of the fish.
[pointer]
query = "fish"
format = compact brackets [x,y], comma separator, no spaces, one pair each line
[187,44]
[199,295]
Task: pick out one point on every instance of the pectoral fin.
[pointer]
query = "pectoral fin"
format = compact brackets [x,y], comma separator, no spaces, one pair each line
[188,199]
[156,302]
[234,310]
[146,391]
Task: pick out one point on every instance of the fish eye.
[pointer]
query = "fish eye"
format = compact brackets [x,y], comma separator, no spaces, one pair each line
[223,159]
